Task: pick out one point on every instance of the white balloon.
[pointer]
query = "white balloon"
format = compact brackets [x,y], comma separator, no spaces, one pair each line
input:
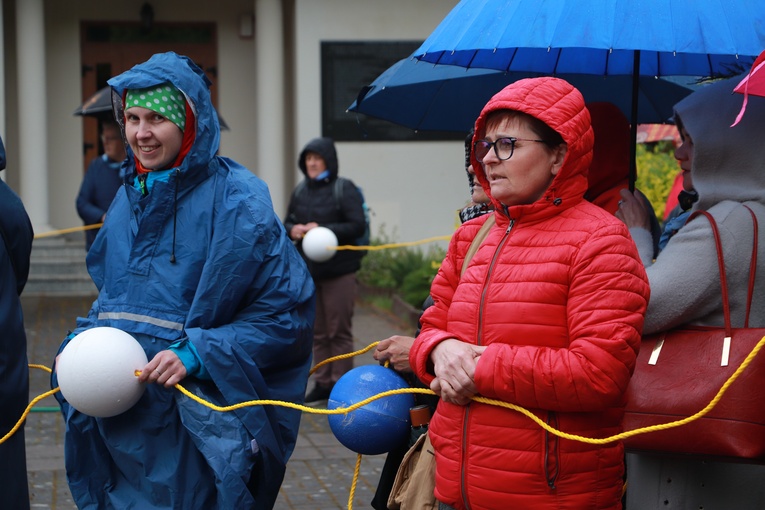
[96,371]
[319,244]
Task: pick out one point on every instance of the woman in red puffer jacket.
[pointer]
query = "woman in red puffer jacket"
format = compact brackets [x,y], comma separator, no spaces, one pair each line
[548,316]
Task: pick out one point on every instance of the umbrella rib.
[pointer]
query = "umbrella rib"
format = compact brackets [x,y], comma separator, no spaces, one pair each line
[427,109]
[557,60]
[608,57]
[511,60]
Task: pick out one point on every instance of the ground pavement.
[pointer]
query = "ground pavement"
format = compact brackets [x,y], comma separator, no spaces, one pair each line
[319,474]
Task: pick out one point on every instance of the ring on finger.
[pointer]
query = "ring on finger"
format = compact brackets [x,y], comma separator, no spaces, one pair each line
[157,371]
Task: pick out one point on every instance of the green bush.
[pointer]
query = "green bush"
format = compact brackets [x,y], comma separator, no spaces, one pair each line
[408,271]
[656,171]
[415,287]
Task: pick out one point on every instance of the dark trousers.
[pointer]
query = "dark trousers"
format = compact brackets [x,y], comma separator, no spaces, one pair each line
[13,472]
[332,330]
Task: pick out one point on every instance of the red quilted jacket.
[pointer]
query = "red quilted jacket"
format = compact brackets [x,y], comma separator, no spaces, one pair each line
[557,292]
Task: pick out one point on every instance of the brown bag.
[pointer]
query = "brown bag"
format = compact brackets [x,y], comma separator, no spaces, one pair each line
[416,479]
[478,240]
[679,372]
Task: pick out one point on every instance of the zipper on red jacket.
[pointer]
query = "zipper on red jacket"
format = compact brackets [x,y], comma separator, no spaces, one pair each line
[485,289]
[478,342]
[551,452]
[464,459]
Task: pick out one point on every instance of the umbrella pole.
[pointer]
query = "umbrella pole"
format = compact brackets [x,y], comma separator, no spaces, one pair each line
[633,122]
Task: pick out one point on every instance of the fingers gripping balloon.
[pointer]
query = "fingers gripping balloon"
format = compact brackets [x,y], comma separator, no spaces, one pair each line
[319,244]
[96,372]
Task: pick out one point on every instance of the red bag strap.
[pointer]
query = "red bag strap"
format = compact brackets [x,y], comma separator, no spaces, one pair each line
[721,264]
[752,266]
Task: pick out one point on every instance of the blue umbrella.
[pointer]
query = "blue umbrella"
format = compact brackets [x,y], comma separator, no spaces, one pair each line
[428,97]
[673,37]
[612,37]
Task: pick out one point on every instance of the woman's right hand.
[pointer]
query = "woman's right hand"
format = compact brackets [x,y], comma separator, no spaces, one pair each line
[299,231]
[395,349]
[633,211]
[454,363]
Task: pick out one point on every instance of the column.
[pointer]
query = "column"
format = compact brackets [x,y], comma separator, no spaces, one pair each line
[269,97]
[33,139]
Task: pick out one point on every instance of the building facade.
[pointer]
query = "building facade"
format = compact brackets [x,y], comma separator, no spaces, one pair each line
[265,60]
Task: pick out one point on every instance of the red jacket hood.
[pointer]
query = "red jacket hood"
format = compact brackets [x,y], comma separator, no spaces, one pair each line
[610,168]
[561,106]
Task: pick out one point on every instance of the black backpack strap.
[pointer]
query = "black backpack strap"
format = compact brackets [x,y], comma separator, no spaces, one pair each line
[338,193]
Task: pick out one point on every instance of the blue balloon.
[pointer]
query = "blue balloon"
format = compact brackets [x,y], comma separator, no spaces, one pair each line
[379,426]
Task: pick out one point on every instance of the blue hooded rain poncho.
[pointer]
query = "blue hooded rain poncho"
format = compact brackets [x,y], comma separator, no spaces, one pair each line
[203,264]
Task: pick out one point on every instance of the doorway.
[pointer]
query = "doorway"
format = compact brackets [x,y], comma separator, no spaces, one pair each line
[109,48]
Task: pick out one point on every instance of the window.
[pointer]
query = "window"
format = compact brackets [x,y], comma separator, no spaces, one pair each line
[346,67]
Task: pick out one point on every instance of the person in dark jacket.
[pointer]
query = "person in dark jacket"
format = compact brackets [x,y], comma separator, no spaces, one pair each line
[192,262]
[480,203]
[15,250]
[315,202]
[101,181]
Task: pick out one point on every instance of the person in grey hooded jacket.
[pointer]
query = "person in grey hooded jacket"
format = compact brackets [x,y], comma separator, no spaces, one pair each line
[728,170]
[192,262]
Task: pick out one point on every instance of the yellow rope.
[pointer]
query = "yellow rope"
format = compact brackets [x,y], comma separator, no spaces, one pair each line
[52,233]
[643,430]
[343,356]
[484,400]
[424,391]
[41,367]
[26,412]
[30,406]
[354,482]
[376,247]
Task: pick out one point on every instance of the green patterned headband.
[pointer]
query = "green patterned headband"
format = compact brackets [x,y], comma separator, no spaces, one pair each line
[164,99]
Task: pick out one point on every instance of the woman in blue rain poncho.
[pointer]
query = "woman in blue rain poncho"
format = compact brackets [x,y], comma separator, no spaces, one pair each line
[192,262]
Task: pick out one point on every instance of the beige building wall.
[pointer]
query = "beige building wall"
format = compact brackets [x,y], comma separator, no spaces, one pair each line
[414,188]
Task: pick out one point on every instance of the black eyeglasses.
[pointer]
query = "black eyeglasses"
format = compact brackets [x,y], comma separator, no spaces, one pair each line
[503,147]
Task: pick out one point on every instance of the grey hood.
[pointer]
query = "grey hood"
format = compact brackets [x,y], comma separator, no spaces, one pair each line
[728,162]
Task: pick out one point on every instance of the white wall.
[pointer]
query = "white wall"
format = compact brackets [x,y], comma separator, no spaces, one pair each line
[413,188]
